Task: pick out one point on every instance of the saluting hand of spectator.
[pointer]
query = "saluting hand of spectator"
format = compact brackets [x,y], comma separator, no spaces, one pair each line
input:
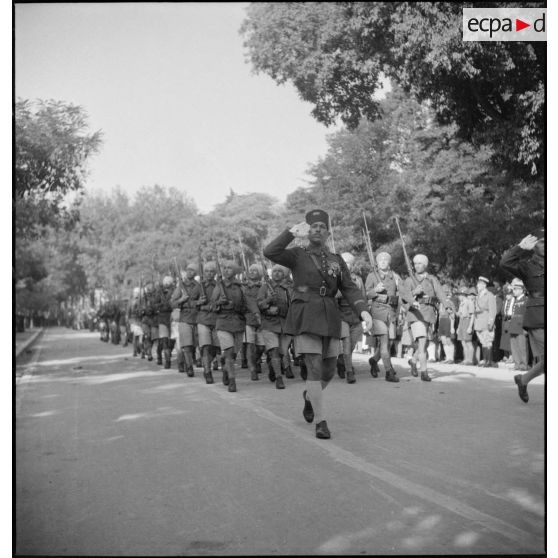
[528,243]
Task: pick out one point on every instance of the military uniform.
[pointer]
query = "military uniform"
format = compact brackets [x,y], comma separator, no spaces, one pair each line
[529,266]
[253,335]
[230,324]
[383,308]
[185,300]
[513,327]
[273,300]
[206,320]
[314,318]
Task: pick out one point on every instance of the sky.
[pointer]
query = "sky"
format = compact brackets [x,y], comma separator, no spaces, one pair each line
[170,89]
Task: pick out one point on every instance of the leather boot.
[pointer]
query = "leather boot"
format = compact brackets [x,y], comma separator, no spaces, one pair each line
[244,356]
[159,352]
[251,357]
[279,384]
[391,375]
[232,385]
[341,366]
[351,376]
[374,368]
[180,361]
[188,361]
[303,369]
[206,361]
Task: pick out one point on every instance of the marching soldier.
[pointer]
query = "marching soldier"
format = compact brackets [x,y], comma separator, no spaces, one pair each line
[484,318]
[526,261]
[185,298]
[351,328]
[229,303]
[382,290]
[273,301]
[163,308]
[255,344]
[422,300]
[313,316]
[206,320]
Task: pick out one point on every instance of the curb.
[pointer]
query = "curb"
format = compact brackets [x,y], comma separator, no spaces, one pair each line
[29,342]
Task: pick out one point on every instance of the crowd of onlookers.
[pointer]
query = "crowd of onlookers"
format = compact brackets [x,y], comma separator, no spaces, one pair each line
[455,342]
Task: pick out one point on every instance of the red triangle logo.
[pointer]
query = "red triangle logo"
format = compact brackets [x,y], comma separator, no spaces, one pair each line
[519,25]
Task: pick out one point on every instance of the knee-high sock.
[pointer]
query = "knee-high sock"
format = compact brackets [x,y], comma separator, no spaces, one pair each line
[314,394]
[229,363]
[347,354]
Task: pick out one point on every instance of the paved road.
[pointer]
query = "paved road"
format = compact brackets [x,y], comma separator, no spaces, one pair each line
[116,456]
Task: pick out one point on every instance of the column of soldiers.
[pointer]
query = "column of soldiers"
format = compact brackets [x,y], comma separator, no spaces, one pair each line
[319,314]
[215,315]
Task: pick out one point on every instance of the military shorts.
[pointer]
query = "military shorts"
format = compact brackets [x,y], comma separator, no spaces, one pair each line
[183,333]
[230,340]
[207,336]
[274,340]
[254,335]
[328,347]
[163,331]
[154,333]
[421,329]
[379,327]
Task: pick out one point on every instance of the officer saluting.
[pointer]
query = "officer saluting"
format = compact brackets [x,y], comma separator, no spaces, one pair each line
[526,261]
[313,316]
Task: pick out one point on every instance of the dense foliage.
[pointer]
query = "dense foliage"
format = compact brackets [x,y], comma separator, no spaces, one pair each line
[335,54]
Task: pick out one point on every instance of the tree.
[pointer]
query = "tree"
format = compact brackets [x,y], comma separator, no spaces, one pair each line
[335,54]
[52,146]
[453,202]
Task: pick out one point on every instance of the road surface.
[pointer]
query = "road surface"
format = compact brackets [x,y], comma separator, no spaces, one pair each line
[117,456]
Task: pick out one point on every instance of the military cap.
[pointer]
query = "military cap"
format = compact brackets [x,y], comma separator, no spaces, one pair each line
[381,255]
[232,264]
[317,215]
[420,258]
[167,280]
[210,266]
[463,291]
[483,278]
[192,267]
[517,282]
[257,267]
[472,291]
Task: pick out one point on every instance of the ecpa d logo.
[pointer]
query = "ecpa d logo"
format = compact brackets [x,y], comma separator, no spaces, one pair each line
[504,24]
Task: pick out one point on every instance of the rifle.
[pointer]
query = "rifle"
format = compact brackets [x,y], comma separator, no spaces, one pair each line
[180,282]
[369,249]
[405,256]
[200,272]
[219,278]
[244,263]
[265,276]
[331,239]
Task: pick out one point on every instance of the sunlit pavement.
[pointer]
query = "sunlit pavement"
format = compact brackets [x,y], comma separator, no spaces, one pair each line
[117,456]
